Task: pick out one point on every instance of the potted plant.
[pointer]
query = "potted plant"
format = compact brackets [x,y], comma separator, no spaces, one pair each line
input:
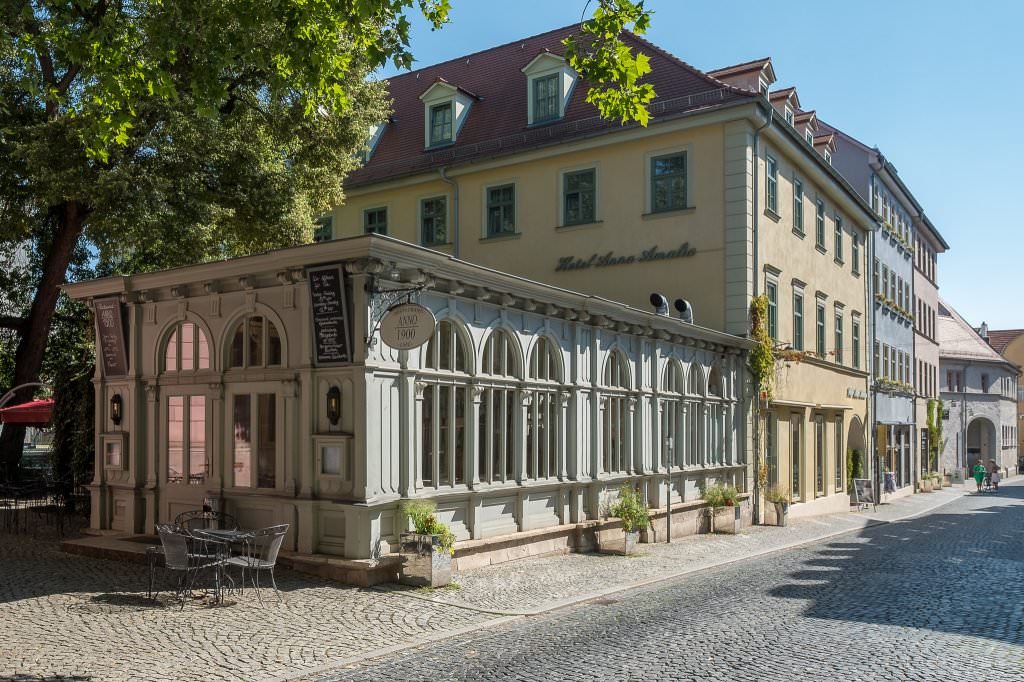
[427,551]
[779,497]
[722,509]
[925,484]
[632,511]
[938,479]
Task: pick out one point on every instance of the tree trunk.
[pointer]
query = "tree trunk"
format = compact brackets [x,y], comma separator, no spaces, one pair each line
[35,331]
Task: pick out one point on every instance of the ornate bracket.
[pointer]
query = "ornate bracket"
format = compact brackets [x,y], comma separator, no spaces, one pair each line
[383,299]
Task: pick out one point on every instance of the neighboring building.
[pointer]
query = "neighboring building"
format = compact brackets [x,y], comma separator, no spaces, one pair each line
[1010,344]
[905,351]
[496,158]
[526,409]
[979,394]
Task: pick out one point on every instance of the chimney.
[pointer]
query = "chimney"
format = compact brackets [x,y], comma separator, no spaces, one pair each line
[983,331]
[685,310]
[660,304]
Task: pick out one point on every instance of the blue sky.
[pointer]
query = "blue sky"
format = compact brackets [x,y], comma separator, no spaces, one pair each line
[935,85]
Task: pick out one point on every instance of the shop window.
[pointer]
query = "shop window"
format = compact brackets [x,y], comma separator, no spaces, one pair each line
[254,438]
[819,455]
[187,349]
[543,411]
[255,342]
[840,455]
[186,439]
[444,407]
[615,415]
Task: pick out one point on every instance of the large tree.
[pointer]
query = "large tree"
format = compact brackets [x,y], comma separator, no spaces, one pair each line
[160,132]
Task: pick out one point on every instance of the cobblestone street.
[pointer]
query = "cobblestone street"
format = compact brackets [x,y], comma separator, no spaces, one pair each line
[839,608]
[938,597]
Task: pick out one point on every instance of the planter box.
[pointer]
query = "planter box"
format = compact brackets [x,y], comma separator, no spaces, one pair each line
[925,485]
[725,519]
[620,543]
[424,563]
[781,513]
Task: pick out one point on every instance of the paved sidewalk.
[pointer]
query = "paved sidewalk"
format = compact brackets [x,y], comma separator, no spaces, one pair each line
[533,586]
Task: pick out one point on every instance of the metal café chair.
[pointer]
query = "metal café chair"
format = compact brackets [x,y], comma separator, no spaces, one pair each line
[188,555]
[261,555]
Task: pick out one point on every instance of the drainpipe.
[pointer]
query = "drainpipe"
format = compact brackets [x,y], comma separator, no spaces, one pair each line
[756,511]
[455,210]
[872,403]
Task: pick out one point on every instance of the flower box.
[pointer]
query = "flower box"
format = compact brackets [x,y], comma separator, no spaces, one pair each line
[424,562]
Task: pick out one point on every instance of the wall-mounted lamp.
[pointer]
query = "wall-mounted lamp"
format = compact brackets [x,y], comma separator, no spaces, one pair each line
[334,405]
[116,406]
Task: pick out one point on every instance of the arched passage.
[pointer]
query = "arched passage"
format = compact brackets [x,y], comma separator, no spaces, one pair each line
[981,441]
[855,444]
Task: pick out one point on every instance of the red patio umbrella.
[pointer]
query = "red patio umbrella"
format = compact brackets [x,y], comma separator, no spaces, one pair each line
[35,413]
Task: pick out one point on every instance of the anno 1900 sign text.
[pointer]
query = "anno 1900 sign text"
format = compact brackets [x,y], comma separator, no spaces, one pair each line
[598,260]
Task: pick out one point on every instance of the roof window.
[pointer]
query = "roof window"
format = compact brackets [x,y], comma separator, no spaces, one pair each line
[550,81]
[445,109]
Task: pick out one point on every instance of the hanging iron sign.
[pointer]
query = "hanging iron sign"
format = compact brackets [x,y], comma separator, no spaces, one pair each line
[407,326]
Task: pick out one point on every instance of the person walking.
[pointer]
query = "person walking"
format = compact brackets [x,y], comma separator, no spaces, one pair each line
[979,472]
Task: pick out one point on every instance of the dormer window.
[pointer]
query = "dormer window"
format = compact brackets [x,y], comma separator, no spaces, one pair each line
[808,136]
[376,131]
[445,110]
[545,98]
[762,86]
[549,81]
[828,157]
[789,116]
[441,124]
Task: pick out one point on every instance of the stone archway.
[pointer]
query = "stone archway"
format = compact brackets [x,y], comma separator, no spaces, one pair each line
[981,441]
[855,443]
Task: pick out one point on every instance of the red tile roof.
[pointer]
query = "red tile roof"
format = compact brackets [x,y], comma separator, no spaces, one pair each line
[497,123]
[745,67]
[1001,338]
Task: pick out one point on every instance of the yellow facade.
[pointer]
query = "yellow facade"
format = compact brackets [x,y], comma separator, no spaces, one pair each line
[707,252]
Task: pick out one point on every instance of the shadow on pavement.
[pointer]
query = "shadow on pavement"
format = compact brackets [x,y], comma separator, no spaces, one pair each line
[958,573]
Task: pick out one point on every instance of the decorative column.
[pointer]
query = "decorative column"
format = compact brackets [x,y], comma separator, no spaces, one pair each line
[519,442]
[416,440]
[472,456]
[152,431]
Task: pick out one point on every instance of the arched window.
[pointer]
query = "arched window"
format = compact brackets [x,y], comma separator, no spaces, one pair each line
[543,413]
[444,407]
[615,419]
[498,370]
[673,443]
[187,349]
[716,416]
[255,343]
[695,408]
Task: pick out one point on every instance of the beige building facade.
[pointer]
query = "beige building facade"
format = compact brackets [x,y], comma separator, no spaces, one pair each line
[721,199]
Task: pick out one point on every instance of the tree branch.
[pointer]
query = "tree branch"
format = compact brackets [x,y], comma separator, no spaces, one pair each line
[11,322]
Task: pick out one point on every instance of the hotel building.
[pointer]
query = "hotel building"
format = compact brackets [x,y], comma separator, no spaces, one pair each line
[496,158]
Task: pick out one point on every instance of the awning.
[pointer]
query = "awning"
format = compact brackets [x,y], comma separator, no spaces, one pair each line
[34,413]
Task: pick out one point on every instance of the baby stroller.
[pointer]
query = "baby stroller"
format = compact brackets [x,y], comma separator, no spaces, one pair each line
[986,485]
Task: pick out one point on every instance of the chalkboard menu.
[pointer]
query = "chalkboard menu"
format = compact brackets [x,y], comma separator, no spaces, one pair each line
[110,336]
[330,314]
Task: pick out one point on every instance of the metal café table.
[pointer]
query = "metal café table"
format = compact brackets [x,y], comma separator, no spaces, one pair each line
[224,537]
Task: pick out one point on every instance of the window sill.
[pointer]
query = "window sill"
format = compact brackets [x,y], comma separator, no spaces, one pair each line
[434,245]
[799,233]
[545,122]
[439,145]
[820,249]
[772,214]
[653,215]
[578,226]
[839,261]
[505,236]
